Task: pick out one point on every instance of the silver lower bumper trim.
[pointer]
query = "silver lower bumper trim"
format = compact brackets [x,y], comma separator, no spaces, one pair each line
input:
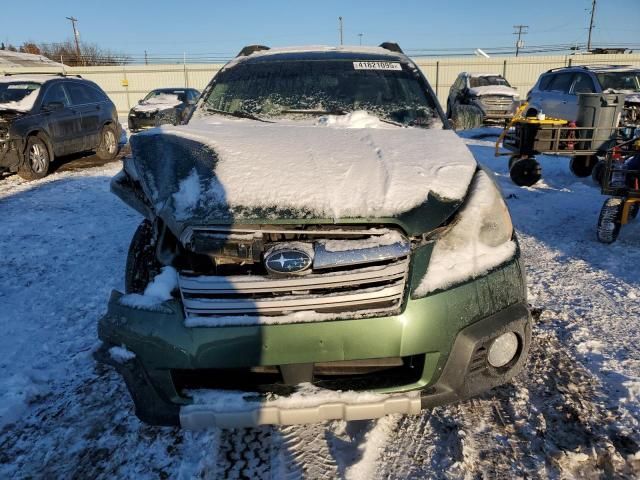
[198,417]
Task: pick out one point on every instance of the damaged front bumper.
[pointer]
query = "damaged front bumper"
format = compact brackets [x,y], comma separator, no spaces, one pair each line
[450,331]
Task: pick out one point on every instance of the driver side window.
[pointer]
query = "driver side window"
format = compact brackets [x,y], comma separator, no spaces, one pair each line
[56,93]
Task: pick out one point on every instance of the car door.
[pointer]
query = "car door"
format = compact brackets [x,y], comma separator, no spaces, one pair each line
[582,83]
[555,99]
[89,106]
[63,122]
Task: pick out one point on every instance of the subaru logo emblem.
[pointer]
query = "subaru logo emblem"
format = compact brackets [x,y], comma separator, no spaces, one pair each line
[287,261]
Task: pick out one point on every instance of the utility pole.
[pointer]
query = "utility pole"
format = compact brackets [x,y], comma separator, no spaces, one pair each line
[593,14]
[76,36]
[521,30]
[340,28]
[360,35]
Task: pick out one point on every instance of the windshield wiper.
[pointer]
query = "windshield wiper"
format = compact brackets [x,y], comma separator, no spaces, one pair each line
[237,114]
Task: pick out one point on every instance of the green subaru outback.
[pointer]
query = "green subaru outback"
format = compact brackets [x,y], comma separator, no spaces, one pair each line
[317,244]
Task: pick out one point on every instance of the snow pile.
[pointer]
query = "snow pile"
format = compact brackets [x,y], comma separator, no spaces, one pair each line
[121,354]
[478,241]
[391,237]
[329,172]
[164,101]
[356,119]
[186,198]
[306,395]
[158,291]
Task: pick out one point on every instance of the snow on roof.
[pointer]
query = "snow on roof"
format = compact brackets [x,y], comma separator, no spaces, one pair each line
[20,59]
[476,75]
[28,77]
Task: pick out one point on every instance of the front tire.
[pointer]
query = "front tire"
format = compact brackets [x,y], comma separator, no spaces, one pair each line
[142,264]
[465,117]
[582,165]
[37,159]
[609,220]
[108,147]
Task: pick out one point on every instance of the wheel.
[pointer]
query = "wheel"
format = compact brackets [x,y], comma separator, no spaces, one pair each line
[142,264]
[37,159]
[582,165]
[108,147]
[513,159]
[598,171]
[609,220]
[465,117]
[525,172]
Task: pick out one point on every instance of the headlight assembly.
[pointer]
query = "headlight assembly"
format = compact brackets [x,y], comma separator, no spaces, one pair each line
[479,240]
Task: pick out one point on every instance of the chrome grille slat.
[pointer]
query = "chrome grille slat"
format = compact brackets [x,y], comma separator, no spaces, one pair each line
[354,280]
[240,285]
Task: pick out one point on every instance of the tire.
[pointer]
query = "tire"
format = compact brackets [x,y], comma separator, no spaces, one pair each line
[108,148]
[465,117]
[597,173]
[142,264]
[37,159]
[513,159]
[582,165]
[609,220]
[525,172]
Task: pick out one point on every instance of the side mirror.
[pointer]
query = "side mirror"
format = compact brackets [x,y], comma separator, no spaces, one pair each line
[140,102]
[53,106]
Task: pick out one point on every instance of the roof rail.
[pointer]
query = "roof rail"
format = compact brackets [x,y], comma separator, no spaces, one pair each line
[249,49]
[391,46]
[594,66]
[55,74]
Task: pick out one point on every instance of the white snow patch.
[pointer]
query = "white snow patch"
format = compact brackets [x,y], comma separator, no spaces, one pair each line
[475,243]
[307,395]
[390,238]
[356,119]
[494,90]
[332,172]
[186,198]
[375,441]
[121,354]
[164,101]
[158,291]
[590,346]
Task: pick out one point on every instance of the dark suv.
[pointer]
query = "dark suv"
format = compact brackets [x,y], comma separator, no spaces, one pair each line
[46,116]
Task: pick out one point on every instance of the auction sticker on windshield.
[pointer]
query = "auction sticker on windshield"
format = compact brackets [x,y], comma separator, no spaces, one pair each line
[377,66]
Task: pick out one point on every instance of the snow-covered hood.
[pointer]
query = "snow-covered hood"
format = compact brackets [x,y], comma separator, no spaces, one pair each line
[158,103]
[494,90]
[218,168]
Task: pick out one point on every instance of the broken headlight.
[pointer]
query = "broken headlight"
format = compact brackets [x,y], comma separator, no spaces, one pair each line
[480,239]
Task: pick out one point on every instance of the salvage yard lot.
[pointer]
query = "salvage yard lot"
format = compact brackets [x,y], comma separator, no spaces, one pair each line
[573,412]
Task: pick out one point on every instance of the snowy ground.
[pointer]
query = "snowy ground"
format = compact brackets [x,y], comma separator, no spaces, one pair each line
[573,413]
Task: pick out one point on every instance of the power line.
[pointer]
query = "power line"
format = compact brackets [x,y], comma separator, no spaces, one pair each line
[522,30]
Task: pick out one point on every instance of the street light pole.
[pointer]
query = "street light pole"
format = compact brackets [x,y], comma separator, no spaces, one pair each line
[360,35]
[340,28]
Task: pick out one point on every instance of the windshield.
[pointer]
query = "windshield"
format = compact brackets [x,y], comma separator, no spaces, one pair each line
[269,90]
[487,80]
[620,81]
[18,96]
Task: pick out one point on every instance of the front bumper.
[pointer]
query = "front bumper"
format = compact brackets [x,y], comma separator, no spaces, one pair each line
[10,157]
[451,329]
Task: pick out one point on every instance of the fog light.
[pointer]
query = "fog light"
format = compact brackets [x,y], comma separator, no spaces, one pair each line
[503,349]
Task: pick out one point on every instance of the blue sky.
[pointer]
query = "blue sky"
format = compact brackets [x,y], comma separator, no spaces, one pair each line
[212,26]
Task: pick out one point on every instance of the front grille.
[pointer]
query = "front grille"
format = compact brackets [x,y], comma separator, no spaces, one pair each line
[349,282]
[497,102]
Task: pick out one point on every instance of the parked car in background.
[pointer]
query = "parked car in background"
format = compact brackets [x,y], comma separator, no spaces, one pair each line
[490,93]
[46,116]
[556,92]
[162,106]
[314,226]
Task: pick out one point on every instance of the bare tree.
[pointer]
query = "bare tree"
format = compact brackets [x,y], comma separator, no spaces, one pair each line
[90,54]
